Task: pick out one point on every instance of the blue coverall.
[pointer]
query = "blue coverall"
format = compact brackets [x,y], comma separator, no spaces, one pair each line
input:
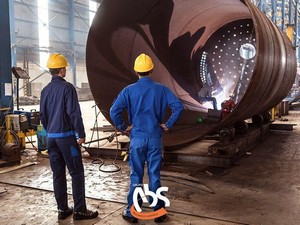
[146,103]
[61,117]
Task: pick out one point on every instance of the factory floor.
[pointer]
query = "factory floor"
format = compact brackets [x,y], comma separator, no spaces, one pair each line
[263,187]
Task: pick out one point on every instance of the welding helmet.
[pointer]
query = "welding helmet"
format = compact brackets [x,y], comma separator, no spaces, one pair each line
[143,63]
[56,61]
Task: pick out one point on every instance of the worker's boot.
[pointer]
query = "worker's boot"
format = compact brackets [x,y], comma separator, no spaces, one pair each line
[129,218]
[64,214]
[88,214]
[160,219]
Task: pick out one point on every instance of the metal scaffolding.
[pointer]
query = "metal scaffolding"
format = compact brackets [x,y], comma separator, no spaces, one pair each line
[68,30]
[285,14]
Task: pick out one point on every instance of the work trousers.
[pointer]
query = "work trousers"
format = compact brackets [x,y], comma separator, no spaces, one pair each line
[65,152]
[141,151]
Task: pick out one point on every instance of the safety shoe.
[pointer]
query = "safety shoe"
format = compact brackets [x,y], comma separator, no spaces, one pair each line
[64,214]
[160,219]
[88,214]
[129,218]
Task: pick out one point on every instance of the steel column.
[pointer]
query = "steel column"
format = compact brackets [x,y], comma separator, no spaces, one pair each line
[72,60]
[290,11]
[274,11]
[283,15]
[297,29]
[12,32]
[295,41]
[6,100]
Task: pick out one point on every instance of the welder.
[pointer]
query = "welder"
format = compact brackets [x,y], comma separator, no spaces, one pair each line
[227,106]
[146,102]
[61,117]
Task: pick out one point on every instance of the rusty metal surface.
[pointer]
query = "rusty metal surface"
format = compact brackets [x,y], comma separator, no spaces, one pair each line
[225,48]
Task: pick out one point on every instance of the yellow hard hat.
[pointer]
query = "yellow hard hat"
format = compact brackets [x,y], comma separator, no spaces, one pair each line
[56,61]
[143,63]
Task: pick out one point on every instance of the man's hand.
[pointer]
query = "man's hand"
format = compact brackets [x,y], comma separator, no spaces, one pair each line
[80,141]
[164,127]
[127,131]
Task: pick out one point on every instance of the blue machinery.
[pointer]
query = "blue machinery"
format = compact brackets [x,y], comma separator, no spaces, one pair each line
[6,101]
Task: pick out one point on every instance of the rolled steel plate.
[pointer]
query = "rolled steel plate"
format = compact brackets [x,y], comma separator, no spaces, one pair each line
[202,50]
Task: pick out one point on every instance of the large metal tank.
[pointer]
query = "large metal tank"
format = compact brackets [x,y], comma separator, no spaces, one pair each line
[200,48]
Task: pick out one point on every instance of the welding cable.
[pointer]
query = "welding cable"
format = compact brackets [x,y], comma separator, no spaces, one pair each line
[98,160]
[95,126]
[118,168]
[102,163]
[31,142]
[114,135]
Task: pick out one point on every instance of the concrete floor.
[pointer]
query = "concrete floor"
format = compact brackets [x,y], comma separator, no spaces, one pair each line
[261,188]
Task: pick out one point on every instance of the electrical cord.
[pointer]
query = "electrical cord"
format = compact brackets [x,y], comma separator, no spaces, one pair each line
[31,142]
[118,168]
[98,159]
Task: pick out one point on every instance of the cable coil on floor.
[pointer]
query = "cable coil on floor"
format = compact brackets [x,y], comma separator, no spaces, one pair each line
[98,160]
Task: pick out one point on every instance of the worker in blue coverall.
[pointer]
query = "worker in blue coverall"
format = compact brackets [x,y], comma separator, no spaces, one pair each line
[146,103]
[61,117]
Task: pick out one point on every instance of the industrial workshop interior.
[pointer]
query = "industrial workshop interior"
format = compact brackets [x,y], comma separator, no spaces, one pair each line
[178,112]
